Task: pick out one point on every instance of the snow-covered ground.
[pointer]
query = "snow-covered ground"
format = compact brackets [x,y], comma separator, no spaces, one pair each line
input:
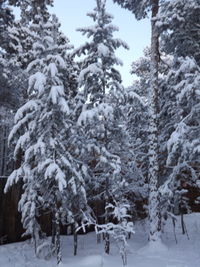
[90,254]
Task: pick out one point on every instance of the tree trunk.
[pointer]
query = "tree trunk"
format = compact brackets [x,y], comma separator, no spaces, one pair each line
[58,247]
[107,236]
[182,224]
[154,199]
[107,243]
[3,154]
[75,239]
[53,231]
[98,238]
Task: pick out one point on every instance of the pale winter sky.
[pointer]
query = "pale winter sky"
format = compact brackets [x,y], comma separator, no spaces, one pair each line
[72,15]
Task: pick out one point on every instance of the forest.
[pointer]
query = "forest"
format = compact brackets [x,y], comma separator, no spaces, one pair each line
[80,152]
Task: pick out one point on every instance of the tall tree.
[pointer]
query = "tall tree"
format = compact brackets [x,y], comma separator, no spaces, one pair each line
[182,94]
[138,110]
[140,9]
[51,175]
[99,80]
[179,27]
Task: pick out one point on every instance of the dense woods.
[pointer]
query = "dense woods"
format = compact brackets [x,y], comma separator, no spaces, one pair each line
[79,150]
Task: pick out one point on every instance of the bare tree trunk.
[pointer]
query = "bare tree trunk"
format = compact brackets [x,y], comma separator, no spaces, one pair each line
[98,238]
[98,213]
[75,239]
[18,159]
[3,154]
[154,198]
[107,236]
[174,229]
[57,241]
[182,224]
[1,150]
[53,230]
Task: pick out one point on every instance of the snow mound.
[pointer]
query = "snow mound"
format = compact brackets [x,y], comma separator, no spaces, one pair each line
[92,261]
[152,248]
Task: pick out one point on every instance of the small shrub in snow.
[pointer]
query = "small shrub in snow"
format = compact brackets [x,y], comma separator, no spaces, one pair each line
[120,230]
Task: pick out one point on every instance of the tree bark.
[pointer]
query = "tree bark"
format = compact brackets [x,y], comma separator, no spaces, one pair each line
[3,154]
[107,236]
[75,239]
[57,239]
[53,231]
[154,199]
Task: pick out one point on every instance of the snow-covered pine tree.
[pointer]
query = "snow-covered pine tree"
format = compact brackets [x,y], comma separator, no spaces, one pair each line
[135,186]
[29,9]
[183,143]
[179,24]
[98,79]
[135,124]
[185,81]
[137,110]
[140,9]
[6,19]
[131,182]
[21,38]
[11,84]
[20,44]
[10,98]
[138,113]
[141,68]
[44,131]
[6,118]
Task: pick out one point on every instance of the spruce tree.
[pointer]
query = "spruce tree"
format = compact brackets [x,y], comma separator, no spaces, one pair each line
[6,19]
[50,173]
[30,8]
[183,142]
[140,9]
[178,24]
[99,82]
[11,85]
